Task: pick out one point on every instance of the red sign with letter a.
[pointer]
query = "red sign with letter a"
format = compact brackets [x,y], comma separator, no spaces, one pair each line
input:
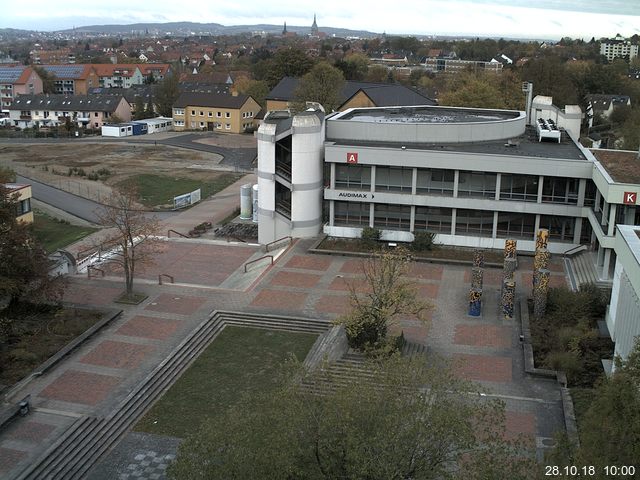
[630,198]
[352,157]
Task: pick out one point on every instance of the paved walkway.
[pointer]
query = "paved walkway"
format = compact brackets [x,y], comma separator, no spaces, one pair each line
[94,379]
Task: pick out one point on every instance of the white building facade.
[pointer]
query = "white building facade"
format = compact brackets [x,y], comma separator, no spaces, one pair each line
[623,313]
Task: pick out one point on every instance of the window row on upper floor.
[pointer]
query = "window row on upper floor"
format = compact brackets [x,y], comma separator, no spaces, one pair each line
[469,183]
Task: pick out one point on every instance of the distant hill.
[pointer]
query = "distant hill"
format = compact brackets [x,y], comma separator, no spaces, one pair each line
[192,28]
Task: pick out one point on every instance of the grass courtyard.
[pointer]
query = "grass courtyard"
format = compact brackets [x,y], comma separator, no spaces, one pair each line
[240,360]
[54,234]
[159,190]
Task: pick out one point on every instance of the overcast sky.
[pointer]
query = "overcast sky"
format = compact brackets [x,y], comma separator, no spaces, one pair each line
[509,18]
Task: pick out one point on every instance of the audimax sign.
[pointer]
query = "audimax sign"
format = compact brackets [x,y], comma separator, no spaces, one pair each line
[355,195]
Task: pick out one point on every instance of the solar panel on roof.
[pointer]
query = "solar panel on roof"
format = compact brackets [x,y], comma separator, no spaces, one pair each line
[64,71]
[10,74]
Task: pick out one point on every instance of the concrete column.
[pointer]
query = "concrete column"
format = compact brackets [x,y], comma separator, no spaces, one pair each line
[371,214]
[613,208]
[498,181]
[597,199]
[332,211]
[536,226]
[606,264]
[414,183]
[412,220]
[582,188]
[332,182]
[577,230]
[373,178]
[456,179]
[600,257]
[540,185]
[605,213]
[494,232]
[453,219]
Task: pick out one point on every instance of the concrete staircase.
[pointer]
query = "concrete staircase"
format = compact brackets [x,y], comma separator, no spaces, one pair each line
[89,438]
[582,271]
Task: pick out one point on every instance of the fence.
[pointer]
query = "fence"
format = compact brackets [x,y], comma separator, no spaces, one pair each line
[93,190]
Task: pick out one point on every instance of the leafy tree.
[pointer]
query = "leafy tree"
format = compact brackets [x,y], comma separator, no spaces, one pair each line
[166,93]
[483,90]
[323,84]
[139,108]
[354,67]
[387,294]
[408,420]
[631,130]
[24,268]
[377,74]
[610,429]
[132,233]
[289,62]
[150,110]
[550,78]
[257,89]
[48,79]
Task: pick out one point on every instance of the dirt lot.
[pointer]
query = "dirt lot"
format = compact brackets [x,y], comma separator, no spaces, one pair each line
[51,163]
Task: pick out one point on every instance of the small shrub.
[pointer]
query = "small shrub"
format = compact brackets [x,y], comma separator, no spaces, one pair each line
[568,362]
[422,241]
[370,236]
[93,176]
[22,355]
[81,173]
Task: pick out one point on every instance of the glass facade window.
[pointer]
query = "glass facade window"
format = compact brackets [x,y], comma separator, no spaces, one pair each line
[474,222]
[560,190]
[516,225]
[560,228]
[351,214]
[435,181]
[476,184]
[590,194]
[394,179]
[23,206]
[391,217]
[353,176]
[519,187]
[433,219]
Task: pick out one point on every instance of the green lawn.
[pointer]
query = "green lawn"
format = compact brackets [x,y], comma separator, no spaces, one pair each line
[159,190]
[240,360]
[54,234]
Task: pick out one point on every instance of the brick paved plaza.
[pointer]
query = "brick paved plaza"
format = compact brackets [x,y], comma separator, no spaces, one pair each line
[95,378]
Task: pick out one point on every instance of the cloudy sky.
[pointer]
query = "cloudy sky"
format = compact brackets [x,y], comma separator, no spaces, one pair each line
[509,18]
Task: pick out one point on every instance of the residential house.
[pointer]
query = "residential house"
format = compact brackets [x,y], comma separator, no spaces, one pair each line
[455,65]
[618,47]
[604,105]
[72,79]
[215,112]
[23,200]
[155,71]
[354,94]
[119,75]
[17,80]
[83,111]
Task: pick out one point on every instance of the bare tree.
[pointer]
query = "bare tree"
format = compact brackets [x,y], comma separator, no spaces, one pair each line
[132,233]
[385,294]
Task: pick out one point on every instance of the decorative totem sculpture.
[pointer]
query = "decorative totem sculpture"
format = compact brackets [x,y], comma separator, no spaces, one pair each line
[508,277]
[475,302]
[540,293]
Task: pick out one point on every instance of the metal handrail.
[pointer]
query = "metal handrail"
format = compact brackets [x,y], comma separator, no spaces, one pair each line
[289,237]
[573,250]
[91,267]
[257,259]
[175,231]
[170,277]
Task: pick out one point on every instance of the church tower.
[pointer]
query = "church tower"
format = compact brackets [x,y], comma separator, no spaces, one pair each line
[284,30]
[314,27]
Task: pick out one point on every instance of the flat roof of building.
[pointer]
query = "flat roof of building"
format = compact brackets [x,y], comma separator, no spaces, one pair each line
[622,165]
[426,114]
[521,146]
